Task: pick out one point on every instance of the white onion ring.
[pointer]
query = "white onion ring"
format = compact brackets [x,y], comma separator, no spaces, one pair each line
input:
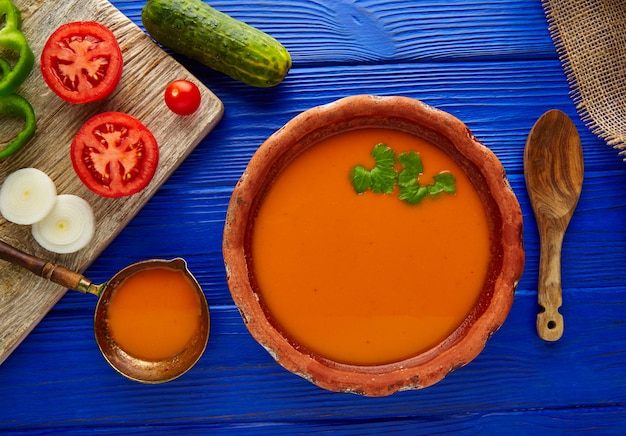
[69,227]
[27,196]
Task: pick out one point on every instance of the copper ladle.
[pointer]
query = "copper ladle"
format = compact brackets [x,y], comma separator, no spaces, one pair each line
[141,370]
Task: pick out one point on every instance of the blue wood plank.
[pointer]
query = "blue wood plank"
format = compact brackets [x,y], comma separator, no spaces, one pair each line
[492,65]
[237,382]
[354,32]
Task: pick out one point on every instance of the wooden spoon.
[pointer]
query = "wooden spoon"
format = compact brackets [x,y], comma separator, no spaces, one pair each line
[553,168]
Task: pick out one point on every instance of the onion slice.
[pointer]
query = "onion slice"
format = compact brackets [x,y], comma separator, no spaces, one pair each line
[27,196]
[68,227]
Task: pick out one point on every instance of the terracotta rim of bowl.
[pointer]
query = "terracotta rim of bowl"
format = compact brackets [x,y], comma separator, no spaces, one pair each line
[483,168]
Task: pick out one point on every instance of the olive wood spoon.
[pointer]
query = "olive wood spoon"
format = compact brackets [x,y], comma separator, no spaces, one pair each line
[553,168]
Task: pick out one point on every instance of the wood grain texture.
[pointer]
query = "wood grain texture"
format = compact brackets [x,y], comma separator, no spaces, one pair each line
[24,298]
[554,173]
[491,64]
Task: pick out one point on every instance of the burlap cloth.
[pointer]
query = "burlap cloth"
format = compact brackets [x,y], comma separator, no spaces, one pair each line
[590,38]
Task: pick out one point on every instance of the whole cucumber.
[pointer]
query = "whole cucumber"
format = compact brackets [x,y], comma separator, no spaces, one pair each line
[195,29]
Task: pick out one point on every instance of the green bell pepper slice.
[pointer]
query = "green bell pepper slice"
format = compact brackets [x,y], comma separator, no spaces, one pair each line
[16,106]
[11,38]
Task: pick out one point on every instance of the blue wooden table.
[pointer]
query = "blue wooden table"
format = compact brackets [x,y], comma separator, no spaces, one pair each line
[491,64]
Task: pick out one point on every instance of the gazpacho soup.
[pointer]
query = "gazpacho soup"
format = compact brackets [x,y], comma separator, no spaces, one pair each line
[154,313]
[359,267]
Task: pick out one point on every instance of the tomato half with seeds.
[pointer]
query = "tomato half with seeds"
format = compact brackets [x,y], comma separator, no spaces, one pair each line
[114,154]
[82,62]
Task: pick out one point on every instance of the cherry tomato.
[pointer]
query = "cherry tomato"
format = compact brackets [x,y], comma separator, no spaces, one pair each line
[82,62]
[182,97]
[114,154]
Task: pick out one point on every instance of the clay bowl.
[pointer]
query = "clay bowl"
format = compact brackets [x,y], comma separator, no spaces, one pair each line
[505,247]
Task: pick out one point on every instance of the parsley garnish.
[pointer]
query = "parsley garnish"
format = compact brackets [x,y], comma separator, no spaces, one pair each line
[383,178]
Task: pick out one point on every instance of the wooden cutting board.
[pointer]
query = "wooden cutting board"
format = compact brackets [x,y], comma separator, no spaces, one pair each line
[25,298]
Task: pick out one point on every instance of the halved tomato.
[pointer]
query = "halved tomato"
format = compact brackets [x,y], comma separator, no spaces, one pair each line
[114,154]
[82,62]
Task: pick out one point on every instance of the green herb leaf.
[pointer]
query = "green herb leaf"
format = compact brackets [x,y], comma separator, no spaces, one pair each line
[413,194]
[444,182]
[361,179]
[382,178]
[384,174]
[413,168]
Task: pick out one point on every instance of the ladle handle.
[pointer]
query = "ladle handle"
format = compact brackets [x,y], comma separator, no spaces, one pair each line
[550,322]
[43,268]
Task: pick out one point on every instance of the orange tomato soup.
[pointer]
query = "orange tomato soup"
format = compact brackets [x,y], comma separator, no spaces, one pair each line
[154,313]
[366,278]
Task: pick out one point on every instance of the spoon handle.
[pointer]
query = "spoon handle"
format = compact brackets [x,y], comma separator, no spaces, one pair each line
[43,268]
[549,320]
